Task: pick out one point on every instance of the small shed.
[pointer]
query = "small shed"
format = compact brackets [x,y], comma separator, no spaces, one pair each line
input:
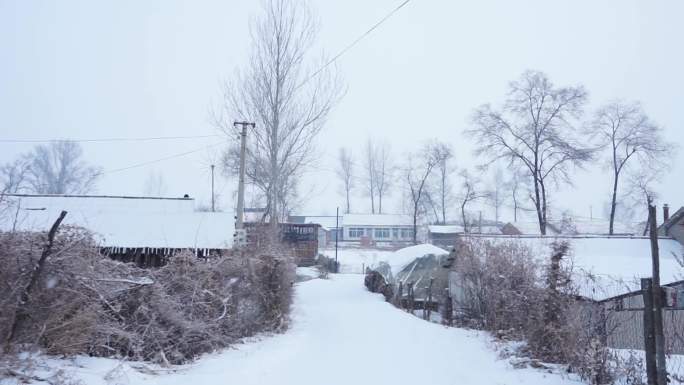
[302,238]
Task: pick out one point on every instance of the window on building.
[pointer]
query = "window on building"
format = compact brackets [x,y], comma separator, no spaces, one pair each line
[382,233]
[406,233]
[355,232]
[395,233]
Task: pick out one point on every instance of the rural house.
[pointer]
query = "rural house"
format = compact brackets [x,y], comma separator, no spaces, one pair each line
[143,230]
[673,226]
[377,228]
[607,271]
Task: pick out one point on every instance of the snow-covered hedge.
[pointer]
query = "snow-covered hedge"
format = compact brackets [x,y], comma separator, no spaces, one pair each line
[85,303]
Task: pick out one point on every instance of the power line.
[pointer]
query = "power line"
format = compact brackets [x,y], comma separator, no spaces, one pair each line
[352,44]
[158,160]
[143,139]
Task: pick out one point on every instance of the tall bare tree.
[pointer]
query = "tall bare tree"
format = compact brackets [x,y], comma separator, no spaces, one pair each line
[369,166]
[470,192]
[54,168]
[495,197]
[13,176]
[625,131]
[383,171]
[515,185]
[442,186]
[345,171]
[155,185]
[416,172]
[288,99]
[535,131]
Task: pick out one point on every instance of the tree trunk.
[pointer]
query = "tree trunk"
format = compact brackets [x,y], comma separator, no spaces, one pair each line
[613,204]
[348,206]
[463,218]
[415,223]
[443,196]
[20,313]
[543,207]
[537,206]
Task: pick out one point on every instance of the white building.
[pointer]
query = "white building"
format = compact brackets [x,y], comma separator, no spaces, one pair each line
[377,227]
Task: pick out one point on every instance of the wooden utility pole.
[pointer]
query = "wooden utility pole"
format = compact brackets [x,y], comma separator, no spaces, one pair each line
[212,189]
[649,332]
[657,298]
[337,234]
[240,236]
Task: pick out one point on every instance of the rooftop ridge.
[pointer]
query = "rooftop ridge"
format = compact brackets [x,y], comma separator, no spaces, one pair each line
[96,196]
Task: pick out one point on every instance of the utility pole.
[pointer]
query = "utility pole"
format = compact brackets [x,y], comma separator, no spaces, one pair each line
[213,208]
[240,234]
[657,298]
[337,235]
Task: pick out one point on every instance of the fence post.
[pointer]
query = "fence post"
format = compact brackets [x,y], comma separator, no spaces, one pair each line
[410,298]
[649,332]
[448,308]
[400,294]
[657,293]
[428,301]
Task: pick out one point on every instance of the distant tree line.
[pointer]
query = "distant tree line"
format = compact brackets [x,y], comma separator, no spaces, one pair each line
[540,134]
[53,168]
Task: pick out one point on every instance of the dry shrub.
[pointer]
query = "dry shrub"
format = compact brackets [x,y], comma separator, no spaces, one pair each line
[503,288]
[88,304]
[498,287]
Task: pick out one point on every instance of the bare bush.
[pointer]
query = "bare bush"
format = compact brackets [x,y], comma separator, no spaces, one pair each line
[503,288]
[85,303]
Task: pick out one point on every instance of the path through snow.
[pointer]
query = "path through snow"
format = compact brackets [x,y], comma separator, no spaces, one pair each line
[342,334]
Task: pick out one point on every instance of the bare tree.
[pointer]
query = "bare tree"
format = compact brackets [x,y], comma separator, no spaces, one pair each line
[383,171]
[13,176]
[155,185]
[514,185]
[416,172]
[470,192]
[58,168]
[496,196]
[431,204]
[370,165]
[289,102]
[534,131]
[13,180]
[442,186]
[345,171]
[627,133]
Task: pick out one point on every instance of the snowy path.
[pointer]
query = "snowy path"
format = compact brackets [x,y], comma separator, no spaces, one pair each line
[342,334]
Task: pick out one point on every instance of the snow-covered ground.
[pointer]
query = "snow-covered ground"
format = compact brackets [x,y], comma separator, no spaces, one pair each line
[340,334]
[354,260]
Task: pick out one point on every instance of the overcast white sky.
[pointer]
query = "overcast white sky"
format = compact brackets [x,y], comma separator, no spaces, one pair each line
[96,69]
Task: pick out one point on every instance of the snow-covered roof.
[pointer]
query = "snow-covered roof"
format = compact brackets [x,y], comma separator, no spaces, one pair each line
[445,229]
[326,222]
[403,257]
[458,229]
[596,226]
[532,228]
[376,220]
[126,221]
[606,267]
